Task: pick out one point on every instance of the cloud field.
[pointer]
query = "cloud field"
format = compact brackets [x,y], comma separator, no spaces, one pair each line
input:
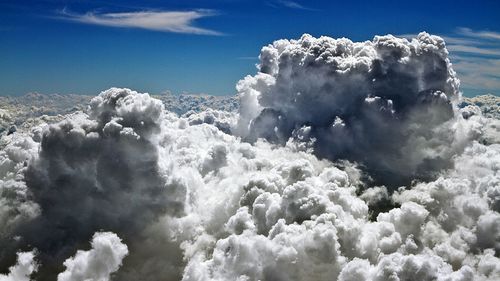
[345,161]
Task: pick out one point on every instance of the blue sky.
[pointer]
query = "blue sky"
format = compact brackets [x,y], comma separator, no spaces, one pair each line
[206,46]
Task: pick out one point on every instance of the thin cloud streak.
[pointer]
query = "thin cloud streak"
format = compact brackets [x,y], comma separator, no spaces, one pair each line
[474,50]
[471,65]
[290,4]
[162,21]
[478,73]
[476,57]
[479,34]
[249,58]
[458,41]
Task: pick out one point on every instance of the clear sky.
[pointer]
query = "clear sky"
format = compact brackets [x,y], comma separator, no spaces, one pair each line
[206,46]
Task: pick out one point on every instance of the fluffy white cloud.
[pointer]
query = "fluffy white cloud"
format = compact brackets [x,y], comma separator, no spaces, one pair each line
[98,263]
[23,269]
[191,201]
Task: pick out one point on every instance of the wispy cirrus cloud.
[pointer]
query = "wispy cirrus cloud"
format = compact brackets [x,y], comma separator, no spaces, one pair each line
[479,34]
[290,4]
[162,21]
[475,55]
[248,58]
[474,50]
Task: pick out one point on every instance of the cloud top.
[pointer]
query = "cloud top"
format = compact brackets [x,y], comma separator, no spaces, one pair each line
[475,55]
[385,103]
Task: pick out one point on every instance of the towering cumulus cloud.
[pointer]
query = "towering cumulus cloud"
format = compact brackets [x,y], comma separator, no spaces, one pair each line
[299,185]
[97,171]
[386,103]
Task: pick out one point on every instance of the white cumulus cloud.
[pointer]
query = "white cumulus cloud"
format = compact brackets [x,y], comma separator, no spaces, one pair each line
[25,266]
[97,264]
[292,187]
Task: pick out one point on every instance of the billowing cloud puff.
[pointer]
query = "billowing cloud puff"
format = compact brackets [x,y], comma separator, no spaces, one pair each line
[443,229]
[14,157]
[97,264]
[488,104]
[93,172]
[23,269]
[386,103]
[193,200]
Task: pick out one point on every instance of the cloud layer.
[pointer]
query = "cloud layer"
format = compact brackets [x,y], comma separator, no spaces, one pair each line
[167,197]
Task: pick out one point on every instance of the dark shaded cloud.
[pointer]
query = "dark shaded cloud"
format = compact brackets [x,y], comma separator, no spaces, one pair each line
[386,103]
[98,172]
